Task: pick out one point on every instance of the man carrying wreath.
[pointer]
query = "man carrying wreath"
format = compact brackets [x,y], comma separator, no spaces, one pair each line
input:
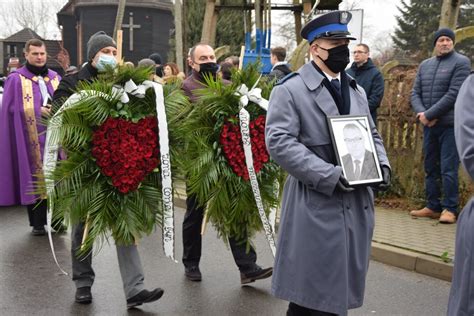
[203,63]
[101,54]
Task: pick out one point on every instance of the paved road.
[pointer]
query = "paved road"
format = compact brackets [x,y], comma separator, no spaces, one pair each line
[31,285]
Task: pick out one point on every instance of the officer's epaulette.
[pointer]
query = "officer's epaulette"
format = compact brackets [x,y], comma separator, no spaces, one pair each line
[285,78]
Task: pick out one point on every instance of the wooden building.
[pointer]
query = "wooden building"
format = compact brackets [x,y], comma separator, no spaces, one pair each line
[147,26]
[13,51]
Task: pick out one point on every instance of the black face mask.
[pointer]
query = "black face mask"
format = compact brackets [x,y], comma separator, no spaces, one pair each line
[159,71]
[208,69]
[338,58]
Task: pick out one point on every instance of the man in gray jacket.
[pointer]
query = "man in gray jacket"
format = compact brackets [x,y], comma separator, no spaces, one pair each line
[326,226]
[436,87]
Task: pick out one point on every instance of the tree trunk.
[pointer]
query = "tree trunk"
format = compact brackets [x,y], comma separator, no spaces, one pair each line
[213,29]
[178,22]
[449,14]
[208,21]
[298,25]
[258,14]
[119,18]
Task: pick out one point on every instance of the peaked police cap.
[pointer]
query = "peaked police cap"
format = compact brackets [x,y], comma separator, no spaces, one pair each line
[332,25]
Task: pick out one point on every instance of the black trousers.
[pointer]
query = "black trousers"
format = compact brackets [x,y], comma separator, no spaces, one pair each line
[37,213]
[192,241]
[297,310]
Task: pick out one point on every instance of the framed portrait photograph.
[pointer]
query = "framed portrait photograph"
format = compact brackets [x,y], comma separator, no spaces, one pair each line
[355,149]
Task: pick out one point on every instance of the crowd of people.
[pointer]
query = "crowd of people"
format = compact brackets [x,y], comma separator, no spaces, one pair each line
[326,222]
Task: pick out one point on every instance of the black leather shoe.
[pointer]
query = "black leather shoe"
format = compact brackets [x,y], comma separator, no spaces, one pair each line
[83,295]
[256,274]
[193,273]
[145,296]
[38,231]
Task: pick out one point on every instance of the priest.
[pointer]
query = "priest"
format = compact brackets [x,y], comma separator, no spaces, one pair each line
[26,99]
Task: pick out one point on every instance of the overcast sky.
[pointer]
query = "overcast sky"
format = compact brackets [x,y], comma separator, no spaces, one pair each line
[379,19]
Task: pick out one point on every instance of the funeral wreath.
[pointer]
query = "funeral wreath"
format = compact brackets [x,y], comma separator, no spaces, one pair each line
[111,178]
[215,161]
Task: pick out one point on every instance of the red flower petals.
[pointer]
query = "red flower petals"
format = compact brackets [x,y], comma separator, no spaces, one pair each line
[231,142]
[126,152]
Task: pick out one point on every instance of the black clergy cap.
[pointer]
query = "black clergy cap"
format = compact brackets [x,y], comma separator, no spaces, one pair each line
[332,25]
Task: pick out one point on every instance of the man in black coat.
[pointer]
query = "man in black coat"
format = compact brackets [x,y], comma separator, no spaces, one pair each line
[203,62]
[101,53]
[368,77]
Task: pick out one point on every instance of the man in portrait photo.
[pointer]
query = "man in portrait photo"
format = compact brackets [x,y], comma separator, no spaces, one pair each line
[359,163]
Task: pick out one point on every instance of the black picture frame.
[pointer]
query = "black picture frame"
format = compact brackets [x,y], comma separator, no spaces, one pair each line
[355,149]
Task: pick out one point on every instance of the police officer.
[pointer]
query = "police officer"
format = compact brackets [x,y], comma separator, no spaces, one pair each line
[326,226]
[461,297]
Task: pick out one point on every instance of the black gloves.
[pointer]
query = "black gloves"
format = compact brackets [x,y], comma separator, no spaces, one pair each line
[343,185]
[386,176]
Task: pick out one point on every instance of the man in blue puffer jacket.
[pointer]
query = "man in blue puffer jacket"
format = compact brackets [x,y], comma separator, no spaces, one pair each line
[434,94]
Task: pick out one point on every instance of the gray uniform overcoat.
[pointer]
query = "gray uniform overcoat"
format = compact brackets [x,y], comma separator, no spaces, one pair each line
[461,298]
[324,240]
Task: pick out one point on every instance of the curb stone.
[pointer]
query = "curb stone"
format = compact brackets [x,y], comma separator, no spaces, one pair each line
[394,256]
[413,261]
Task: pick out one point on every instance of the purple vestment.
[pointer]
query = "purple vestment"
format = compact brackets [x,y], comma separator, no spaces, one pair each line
[18,162]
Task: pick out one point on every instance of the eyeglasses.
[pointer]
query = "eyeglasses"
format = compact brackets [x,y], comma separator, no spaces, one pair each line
[359,52]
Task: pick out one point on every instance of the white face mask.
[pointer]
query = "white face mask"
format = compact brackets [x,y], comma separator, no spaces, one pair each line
[105,61]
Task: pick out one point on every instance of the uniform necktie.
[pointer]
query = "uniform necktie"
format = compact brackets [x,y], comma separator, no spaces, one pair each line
[337,85]
[357,169]
[44,90]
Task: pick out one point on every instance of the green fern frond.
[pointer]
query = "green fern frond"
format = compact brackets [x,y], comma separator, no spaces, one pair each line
[82,193]
[230,201]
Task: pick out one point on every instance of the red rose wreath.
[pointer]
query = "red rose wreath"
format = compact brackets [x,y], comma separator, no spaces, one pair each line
[215,164]
[111,178]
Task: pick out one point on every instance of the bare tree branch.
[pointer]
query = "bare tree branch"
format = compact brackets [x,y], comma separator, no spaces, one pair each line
[38,15]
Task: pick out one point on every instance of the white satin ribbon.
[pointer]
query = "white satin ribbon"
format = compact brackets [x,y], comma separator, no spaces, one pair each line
[51,151]
[255,96]
[166,180]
